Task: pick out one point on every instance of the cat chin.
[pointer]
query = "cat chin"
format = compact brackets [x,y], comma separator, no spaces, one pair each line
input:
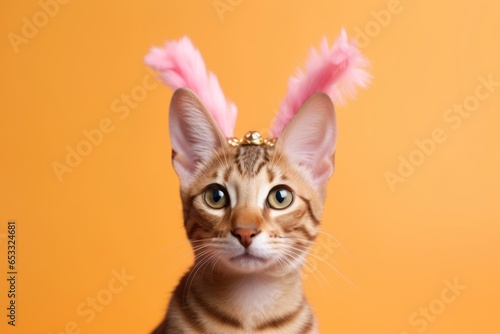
[254,265]
[246,263]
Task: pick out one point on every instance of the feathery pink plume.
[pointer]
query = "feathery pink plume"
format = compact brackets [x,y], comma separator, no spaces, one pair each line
[336,71]
[180,65]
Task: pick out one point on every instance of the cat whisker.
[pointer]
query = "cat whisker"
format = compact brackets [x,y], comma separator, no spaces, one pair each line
[171,250]
[193,248]
[313,243]
[282,261]
[177,248]
[273,159]
[188,260]
[296,265]
[200,263]
[336,241]
[328,264]
[195,255]
[307,263]
[213,266]
[219,159]
[317,248]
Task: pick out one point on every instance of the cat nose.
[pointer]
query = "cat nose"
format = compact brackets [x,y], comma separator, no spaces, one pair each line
[245,235]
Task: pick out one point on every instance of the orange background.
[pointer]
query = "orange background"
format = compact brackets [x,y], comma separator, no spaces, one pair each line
[119,208]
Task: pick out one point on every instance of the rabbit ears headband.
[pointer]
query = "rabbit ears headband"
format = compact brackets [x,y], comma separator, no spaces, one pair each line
[335,70]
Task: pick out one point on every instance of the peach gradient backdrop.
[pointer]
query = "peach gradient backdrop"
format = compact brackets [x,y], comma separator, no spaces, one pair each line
[119,209]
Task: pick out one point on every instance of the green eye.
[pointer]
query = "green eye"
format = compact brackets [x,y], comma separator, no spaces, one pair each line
[280,198]
[216,196]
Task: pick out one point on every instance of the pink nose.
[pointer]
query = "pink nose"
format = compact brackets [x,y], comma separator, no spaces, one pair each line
[245,235]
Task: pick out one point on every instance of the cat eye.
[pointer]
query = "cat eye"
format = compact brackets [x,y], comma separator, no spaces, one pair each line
[280,197]
[216,196]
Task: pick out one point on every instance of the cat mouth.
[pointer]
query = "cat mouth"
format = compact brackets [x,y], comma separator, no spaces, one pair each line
[247,257]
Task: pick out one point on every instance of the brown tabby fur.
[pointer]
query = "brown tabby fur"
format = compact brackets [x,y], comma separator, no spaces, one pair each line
[200,303]
[221,295]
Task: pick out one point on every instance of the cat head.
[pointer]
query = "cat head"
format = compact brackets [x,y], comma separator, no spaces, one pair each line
[254,205]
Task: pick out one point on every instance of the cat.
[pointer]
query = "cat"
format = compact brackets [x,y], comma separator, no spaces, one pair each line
[252,206]
[251,212]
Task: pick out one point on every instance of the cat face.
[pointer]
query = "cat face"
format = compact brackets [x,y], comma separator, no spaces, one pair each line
[252,208]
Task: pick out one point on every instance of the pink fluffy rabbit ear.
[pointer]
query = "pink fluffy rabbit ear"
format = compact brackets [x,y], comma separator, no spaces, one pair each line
[305,125]
[181,65]
[200,116]
[336,71]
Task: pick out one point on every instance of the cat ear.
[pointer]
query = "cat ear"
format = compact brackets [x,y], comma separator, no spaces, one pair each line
[309,139]
[193,132]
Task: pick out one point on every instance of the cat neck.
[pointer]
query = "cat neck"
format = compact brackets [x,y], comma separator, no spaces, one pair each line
[259,294]
[220,279]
